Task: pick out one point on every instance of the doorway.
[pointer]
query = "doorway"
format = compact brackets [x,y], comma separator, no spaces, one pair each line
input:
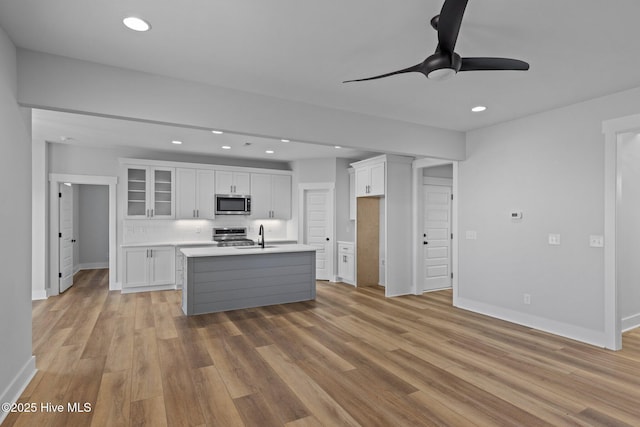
[56,182]
[435,223]
[316,225]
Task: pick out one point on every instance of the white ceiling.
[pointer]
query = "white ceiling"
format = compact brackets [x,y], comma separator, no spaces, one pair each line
[69,128]
[578,49]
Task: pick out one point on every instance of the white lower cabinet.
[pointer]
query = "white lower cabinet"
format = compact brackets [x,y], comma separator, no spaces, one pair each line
[148,266]
[346,262]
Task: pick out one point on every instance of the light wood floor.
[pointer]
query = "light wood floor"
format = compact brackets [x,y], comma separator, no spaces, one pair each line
[349,358]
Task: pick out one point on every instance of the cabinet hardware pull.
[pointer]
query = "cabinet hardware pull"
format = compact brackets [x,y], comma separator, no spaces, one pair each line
[151,212]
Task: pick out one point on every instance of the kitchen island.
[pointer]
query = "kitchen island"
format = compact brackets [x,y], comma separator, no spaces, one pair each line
[230,278]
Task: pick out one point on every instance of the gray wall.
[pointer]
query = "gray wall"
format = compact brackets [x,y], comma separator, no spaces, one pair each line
[443,171]
[551,167]
[629,233]
[15,231]
[76,227]
[93,238]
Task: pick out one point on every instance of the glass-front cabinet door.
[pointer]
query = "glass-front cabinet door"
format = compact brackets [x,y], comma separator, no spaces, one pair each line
[150,192]
[137,192]
[163,193]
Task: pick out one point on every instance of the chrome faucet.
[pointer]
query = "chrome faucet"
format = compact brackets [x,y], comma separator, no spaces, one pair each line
[261,234]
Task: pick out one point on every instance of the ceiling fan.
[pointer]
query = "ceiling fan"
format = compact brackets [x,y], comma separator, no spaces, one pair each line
[445,62]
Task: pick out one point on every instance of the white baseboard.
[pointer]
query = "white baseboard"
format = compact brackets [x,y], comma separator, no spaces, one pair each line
[148,288]
[38,294]
[426,291]
[93,265]
[115,286]
[577,333]
[19,383]
[76,268]
[630,322]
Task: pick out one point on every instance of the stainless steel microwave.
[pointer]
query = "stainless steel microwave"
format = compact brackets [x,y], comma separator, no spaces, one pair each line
[233,204]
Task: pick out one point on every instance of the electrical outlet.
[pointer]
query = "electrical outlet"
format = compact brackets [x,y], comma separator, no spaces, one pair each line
[527,299]
[596,241]
[198,230]
[554,239]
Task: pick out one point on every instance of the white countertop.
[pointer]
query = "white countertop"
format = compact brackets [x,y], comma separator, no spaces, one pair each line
[244,250]
[193,243]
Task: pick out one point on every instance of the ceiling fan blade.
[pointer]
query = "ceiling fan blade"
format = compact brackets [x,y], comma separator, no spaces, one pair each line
[415,68]
[498,64]
[449,23]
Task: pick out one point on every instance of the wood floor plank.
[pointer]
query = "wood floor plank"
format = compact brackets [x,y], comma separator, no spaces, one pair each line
[113,404]
[146,375]
[350,357]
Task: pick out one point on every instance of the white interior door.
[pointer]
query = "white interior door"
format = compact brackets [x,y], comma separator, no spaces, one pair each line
[318,229]
[437,237]
[65,231]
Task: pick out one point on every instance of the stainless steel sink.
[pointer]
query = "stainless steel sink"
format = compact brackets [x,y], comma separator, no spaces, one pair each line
[255,247]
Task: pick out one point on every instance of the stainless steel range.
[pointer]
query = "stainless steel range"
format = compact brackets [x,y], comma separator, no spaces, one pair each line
[232,236]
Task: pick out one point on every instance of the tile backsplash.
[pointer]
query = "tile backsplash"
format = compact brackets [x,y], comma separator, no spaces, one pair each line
[187,230]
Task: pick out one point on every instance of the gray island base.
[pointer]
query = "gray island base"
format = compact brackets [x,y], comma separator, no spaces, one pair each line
[222,279]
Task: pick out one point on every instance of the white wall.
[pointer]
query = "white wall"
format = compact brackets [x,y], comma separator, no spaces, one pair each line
[551,167]
[93,225]
[629,233]
[18,365]
[55,82]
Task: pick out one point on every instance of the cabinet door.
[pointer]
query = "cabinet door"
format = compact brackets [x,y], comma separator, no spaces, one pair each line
[242,183]
[224,182]
[185,193]
[163,201]
[136,267]
[362,181]
[260,195]
[349,268]
[162,266]
[205,206]
[281,196]
[377,180]
[342,265]
[137,190]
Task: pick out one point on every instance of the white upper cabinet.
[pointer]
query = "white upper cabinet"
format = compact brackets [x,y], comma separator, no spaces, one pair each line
[369,179]
[195,193]
[231,182]
[150,192]
[270,196]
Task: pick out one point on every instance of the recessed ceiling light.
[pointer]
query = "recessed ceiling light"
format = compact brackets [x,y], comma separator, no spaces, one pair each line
[479,109]
[176,142]
[226,147]
[285,140]
[217,132]
[337,146]
[136,24]
[269,151]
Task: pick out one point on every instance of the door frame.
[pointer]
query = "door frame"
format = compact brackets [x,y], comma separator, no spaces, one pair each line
[417,167]
[55,179]
[330,187]
[613,131]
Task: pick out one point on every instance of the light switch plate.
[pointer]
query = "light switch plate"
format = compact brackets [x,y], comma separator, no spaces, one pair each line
[596,241]
[471,235]
[554,239]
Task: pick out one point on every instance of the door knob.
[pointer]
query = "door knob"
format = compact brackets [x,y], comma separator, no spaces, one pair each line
[425,243]
[327,239]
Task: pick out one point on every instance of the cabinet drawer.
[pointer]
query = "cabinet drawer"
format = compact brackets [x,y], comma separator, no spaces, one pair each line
[345,248]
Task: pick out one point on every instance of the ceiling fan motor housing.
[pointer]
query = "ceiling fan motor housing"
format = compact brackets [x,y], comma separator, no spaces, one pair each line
[441,65]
